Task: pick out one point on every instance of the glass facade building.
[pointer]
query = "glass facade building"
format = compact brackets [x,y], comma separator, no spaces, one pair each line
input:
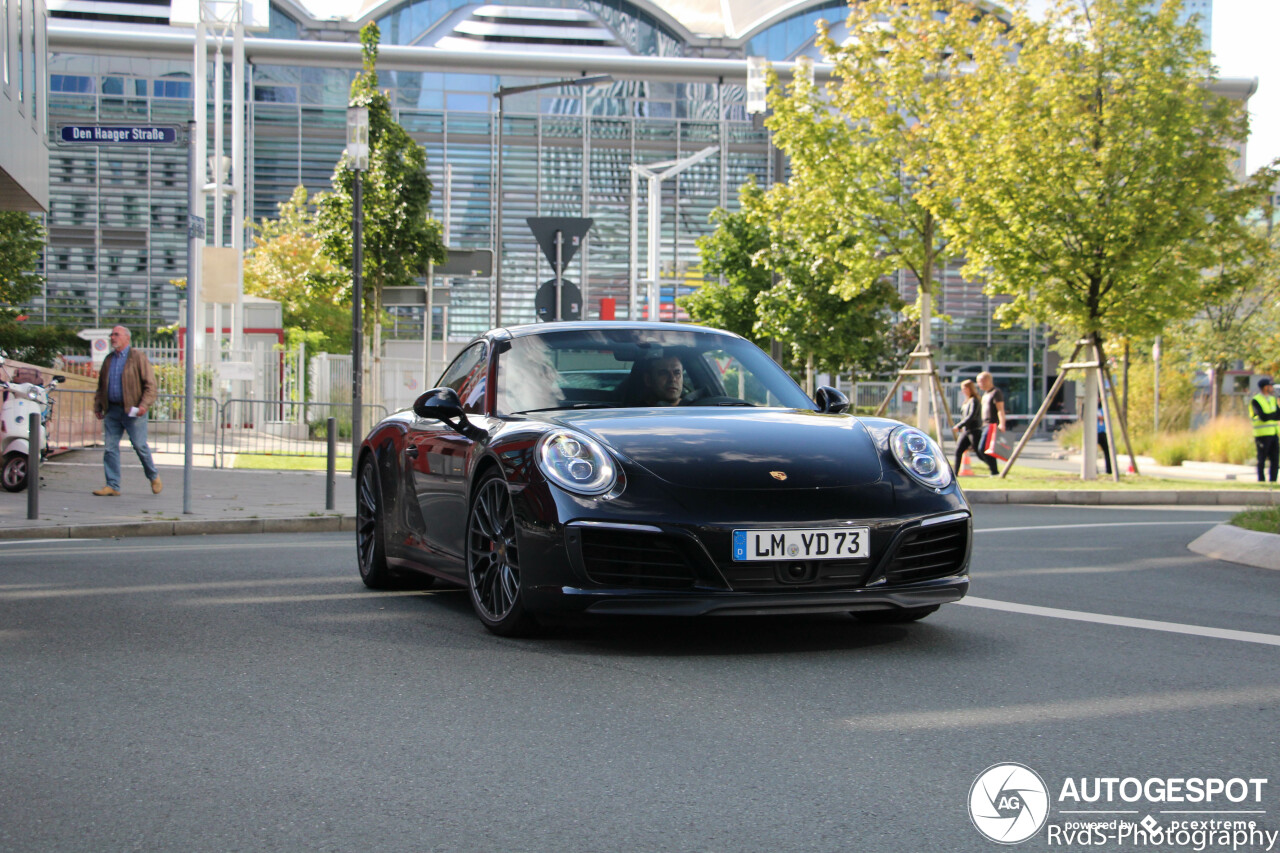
[116,220]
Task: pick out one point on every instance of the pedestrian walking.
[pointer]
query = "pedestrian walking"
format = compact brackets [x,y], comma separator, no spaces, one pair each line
[1103,447]
[992,411]
[126,390]
[969,429]
[1264,411]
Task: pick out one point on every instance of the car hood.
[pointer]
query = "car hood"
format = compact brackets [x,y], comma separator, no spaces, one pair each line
[736,448]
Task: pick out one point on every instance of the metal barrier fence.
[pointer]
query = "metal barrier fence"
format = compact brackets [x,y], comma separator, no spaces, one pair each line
[237,426]
[74,424]
[286,428]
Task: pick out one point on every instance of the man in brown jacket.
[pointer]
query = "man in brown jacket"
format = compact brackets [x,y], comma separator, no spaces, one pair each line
[126,389]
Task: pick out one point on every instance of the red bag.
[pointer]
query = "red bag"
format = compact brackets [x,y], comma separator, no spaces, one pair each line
[996,443]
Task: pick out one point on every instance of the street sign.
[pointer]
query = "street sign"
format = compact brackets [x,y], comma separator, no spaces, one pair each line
[544,302]
[572,230]
[195,227]
[471,263]
[118,134]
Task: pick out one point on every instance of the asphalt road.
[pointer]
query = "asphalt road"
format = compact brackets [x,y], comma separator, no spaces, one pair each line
[248,694]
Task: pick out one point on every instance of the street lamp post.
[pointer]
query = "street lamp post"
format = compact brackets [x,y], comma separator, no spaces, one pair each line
[358,162]
[502,92]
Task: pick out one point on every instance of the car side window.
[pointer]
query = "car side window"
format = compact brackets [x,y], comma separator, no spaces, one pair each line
[467,376]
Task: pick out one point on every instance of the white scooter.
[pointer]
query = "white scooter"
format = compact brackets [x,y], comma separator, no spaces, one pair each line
[24,398]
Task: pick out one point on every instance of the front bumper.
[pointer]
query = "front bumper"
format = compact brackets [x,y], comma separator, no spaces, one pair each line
[703,603]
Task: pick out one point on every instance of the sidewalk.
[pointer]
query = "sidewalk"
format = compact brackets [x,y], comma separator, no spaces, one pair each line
[222,501]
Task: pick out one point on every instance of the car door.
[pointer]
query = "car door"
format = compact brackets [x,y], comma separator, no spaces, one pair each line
[439,459]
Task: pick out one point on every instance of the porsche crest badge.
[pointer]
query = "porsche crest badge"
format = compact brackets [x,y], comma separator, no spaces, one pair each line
[778,475]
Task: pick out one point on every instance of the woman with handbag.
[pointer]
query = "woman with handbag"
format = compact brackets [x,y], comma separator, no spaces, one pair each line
[969,428]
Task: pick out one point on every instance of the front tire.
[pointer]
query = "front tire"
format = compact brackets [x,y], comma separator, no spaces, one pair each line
[14,475]
[893,617]
[371,551]
[493,560]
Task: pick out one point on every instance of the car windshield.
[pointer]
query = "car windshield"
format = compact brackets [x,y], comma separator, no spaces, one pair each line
[616,368]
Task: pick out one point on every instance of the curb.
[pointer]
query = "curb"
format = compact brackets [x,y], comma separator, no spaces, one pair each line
[1084,497]
[315,524]
[1237,545]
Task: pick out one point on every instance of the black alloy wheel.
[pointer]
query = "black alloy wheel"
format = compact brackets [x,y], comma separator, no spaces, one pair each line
[370,550]
[493,560]
[895,616]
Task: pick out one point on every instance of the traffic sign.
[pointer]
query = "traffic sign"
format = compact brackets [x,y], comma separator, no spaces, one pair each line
[544,302]
[118,134]
[571,228]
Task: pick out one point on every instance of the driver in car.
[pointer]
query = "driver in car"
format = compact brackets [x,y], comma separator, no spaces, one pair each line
[663,381]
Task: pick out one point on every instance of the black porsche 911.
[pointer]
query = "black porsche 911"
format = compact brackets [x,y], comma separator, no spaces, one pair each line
[651,468]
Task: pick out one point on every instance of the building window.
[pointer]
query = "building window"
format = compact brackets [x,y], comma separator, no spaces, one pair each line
[77,84]
[276,94]
[171,89]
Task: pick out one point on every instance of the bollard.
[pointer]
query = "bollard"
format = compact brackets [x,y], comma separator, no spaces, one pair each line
[33,467]
[331,428]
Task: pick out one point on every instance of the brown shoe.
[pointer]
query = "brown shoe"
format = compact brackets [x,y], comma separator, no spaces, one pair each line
[156,486]
[106,492]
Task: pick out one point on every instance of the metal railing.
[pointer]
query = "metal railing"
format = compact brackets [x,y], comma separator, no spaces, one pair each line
[284,427]
[221,429]
[74,425]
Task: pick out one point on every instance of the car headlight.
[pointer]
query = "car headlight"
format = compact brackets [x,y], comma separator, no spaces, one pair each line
[576,463]
[920,457]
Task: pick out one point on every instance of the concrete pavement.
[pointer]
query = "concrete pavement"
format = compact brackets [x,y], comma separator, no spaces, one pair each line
[222,501]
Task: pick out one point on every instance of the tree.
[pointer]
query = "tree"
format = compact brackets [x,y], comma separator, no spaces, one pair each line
[1241,292]
[1092,169]
[399,236]
[288,264]
[21,242]
[729,252]
[1091,165]
[820,328]
[862,161]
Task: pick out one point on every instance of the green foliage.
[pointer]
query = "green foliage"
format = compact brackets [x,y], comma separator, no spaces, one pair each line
[399,235]
[37,344]
[21,242]
[1225,439]
[1263,520]
[171,379]
[1092,168]
[863,161]
[318,428]
[806,309]
[288,264]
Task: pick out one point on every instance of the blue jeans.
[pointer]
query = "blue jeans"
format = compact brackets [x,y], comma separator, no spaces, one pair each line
[114,425]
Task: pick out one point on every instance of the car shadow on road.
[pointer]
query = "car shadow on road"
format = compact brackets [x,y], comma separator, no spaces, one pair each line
[739,635]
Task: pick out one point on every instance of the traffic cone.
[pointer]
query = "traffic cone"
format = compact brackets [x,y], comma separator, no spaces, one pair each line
[965,469]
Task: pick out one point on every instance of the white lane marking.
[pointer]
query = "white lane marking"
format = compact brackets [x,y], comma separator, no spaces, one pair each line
[1123,621]
[72,592]
[1098,524]
[1050,712]
[61,541]
[134,546]
[298,599]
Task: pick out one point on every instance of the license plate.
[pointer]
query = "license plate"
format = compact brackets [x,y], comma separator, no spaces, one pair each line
[813,543]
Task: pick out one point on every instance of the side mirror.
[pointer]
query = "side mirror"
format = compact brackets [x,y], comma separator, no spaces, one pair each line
[442,404]
[58,379]
[830,401]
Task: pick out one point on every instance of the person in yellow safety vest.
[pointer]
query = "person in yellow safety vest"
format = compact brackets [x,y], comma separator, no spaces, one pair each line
[1264,411]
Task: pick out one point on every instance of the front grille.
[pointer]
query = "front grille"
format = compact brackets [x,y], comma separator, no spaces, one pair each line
[620,558]
[925,553]
[805,574]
